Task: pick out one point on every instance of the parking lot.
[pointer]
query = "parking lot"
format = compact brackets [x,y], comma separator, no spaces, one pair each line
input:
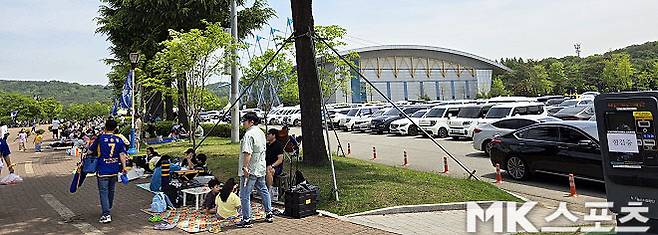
[424,155]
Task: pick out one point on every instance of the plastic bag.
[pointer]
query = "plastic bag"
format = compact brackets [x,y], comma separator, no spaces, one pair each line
[11,179]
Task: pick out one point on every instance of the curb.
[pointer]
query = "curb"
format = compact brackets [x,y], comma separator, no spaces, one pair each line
[419,208]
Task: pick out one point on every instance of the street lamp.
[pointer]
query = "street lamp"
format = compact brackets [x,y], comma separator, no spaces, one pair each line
[134,59]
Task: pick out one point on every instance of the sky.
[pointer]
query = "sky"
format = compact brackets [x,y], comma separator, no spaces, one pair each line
[56,40]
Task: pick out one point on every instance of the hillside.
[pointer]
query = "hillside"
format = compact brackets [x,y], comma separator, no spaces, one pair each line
[64,92]
[221,89]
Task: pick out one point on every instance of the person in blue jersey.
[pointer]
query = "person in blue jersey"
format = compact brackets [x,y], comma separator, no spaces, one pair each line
[111,150]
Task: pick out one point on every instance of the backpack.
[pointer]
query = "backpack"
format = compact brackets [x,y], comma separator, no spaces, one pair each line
[160,202]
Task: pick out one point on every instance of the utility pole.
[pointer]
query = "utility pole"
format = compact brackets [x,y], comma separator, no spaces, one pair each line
[577,47]
[309,84]
[235,82]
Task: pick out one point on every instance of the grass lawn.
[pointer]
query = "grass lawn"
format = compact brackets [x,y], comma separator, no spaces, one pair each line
[363,185]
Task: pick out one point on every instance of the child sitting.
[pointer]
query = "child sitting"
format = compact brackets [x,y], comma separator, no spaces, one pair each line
[209,201]
[228,203]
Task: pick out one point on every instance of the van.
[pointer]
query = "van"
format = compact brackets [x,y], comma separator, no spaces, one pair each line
[467,119]
[435,121]
[512,110]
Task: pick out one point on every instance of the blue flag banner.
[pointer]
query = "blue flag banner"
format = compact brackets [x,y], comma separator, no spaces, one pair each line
[126,98]
[273,30]
[258,38]
[115,108]
[14,113]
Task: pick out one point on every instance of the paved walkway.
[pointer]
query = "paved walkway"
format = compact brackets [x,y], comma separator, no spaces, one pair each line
[42,204]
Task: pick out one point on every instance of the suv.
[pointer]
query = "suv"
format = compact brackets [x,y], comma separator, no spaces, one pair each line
[435,121]
[382,123]
[405,127]
[513,109]
[466,120]
[347,123]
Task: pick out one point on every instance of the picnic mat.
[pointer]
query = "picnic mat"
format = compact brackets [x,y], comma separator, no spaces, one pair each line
[194,221]
[145,186]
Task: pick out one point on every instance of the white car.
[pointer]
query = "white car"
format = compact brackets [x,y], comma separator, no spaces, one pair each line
[404,127]
[484,133]
[435,121]
[363,124]
[347,123]
[467,119]
[273,118]
[287,118]
[512,110]
[335,116]
[295,119]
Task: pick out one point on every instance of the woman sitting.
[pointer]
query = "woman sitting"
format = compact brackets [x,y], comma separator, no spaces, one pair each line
[228,203]
[161,173]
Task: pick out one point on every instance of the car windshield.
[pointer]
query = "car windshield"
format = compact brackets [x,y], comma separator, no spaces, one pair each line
[352,112]
[380,112]
[570,111]
[498,113]
[568,103]
[392,112]
[419,113]
[344,111]
[469,112]
[554,102]
[436,112]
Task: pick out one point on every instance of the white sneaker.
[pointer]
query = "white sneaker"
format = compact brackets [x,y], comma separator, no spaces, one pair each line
[105,219]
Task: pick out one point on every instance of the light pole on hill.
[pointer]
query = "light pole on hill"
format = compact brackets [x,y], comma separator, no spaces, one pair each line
[134,59]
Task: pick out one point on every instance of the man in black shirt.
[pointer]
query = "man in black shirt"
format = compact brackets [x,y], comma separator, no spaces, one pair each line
[273,157]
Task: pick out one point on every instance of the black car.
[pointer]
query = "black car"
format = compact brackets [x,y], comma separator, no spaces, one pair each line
[381,124]
[559,148]
[575,113]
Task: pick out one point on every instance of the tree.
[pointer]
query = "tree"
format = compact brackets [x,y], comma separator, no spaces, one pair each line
[617,72]
[334,73]
[211,101]
[278,75]
[558,77]
[498,88]
[192,58]
[50,108]
[82,111]
[141,25]
[538,82]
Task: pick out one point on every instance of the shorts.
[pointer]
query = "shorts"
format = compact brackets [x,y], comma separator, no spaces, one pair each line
[55,131]
[278,170]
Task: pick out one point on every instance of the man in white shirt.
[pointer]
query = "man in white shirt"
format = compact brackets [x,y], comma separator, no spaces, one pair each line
[252,168]
[3,130]
[55,129]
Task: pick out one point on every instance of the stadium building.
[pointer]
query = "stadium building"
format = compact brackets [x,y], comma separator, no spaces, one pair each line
[409,72]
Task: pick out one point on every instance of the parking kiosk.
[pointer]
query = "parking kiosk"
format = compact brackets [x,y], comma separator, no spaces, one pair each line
[627,129]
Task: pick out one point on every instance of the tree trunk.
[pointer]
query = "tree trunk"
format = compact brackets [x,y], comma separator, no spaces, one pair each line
[309,85]
[154,103]
[169,105]
[182,104]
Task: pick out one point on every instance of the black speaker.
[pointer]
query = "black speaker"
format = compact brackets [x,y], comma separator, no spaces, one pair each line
[301,201]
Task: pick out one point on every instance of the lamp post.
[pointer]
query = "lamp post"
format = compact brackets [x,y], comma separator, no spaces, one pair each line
[134,59]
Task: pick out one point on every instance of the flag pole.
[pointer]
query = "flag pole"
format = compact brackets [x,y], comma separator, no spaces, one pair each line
[134,58]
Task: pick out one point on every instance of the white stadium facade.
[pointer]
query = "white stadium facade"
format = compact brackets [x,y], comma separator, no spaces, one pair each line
[409,72]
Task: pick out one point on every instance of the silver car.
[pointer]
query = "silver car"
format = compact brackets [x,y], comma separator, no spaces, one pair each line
[484,133]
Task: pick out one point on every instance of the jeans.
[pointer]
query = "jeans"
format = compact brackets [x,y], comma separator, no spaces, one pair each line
[106,192]
[37,147]
[245,195]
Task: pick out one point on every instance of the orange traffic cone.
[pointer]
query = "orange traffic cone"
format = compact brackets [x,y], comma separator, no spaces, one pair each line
[499,177]
[572,186]
[406,161]
[374,153]
[349,149]
[445,165]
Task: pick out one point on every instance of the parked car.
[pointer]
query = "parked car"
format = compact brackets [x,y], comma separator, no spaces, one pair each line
[576,103]
[483,134]
[363,124]
[563,148]
[550,100]
[513,109]
[257,111]
[511,99]
[337,114]
[274,115]
[435,122]
[382,123]
[575,113]
[467,119]
[347,123]
[405,127]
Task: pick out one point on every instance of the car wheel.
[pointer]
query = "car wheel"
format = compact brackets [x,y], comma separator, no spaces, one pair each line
[517,168]
[297,123]
[455,138]
[443,133]
[413,130]
[486,147]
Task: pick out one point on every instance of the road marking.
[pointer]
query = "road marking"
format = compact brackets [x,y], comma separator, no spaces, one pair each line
[28,167]
[67,215]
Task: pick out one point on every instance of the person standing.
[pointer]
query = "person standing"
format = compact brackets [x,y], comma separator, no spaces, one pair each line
[22,138]
[38,140]
[55,128]
[274,157]
[112,158]
[4,153]
[252,169]
[4,131]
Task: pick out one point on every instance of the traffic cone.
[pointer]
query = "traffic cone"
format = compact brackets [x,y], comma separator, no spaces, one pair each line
[499,177]
[406,161]
[349,149]
[572,186]
[374,153]
[77,152]
[445,165]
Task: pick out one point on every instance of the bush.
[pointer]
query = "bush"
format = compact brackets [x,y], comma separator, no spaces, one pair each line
[222,130]
[163,127]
